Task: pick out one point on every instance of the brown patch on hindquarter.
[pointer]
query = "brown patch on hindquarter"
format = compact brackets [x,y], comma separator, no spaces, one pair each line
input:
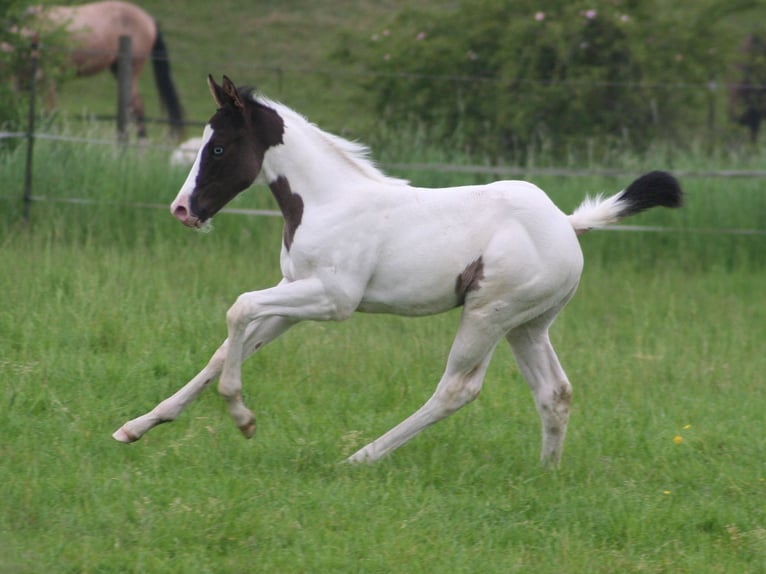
[291,206]
[469,279]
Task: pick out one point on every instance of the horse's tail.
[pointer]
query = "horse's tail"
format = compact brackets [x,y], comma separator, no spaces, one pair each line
[165,86]
[649,190]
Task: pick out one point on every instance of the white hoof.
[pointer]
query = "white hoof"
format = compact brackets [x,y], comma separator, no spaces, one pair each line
[121,435]
[359,457]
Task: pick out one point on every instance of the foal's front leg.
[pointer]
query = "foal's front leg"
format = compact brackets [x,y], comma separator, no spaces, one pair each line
[306,299]
[169,409]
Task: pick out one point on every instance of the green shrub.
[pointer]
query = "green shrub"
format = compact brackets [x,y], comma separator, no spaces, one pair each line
[17,39]
[511,77]
[10,100]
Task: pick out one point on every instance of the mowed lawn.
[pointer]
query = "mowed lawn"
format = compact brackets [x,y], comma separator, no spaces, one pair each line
[663,471]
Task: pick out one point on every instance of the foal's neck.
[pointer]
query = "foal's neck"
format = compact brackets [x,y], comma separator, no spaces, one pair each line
[319,163]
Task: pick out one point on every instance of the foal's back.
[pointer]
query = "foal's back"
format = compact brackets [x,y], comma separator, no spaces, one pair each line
[509,232]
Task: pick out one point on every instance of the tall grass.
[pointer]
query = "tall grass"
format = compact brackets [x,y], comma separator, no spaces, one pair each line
[107,309]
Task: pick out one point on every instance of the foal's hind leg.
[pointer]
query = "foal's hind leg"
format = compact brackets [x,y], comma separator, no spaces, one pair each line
[460,384]
[169,409]
[551,389]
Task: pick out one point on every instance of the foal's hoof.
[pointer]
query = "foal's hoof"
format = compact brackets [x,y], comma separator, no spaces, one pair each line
[248,429]
[360,457]
[124,436]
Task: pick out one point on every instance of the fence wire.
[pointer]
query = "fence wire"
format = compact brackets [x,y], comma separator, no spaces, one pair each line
[498,170]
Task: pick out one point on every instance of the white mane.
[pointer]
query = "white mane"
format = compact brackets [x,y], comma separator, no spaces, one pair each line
[355,153]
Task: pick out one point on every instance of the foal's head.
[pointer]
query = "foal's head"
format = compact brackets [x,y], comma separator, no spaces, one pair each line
[234,143]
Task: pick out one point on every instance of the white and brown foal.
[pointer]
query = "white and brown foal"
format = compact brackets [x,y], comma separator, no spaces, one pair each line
[358,240]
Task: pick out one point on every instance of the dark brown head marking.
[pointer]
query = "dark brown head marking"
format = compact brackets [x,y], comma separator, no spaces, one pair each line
[469,279]
[243,129]
[291,206]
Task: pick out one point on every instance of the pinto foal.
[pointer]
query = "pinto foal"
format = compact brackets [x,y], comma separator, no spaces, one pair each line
[357,240]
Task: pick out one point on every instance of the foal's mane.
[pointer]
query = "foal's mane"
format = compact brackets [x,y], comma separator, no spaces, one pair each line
[356,154]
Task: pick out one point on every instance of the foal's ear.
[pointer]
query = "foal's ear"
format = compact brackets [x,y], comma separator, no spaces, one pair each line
[215,90]
[226,94]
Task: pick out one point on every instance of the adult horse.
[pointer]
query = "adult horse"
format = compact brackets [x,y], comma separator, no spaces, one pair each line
[95,30]
[358,240]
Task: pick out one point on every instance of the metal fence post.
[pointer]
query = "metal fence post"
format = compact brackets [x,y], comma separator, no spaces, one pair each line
[33,61]
[124,72]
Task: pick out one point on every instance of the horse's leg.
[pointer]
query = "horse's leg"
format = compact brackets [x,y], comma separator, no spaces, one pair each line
[137,108]
[136,103]
[306,299]
[169,409]
[552,391]
[460,384]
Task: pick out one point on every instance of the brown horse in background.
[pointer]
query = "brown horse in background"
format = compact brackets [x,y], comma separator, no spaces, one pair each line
[95,29]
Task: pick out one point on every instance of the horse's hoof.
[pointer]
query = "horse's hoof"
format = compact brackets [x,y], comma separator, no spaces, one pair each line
[359,457]
[248,430]
[123,436]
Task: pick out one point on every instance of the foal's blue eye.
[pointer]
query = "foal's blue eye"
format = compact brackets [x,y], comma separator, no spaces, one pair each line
[218,151]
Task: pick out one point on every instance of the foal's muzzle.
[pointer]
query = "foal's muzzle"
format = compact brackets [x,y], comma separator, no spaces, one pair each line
[183,212]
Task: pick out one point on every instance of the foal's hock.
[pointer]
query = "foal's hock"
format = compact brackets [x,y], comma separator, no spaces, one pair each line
[357,240]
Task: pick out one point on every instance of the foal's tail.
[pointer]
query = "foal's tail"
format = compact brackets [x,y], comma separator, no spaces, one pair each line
[165,86]
[650,190]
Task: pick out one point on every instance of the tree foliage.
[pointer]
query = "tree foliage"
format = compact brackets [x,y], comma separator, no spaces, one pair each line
[511,76]
[10,101]
[18,34]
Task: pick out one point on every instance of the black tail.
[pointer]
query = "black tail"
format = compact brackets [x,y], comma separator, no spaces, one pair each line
[650,190]
[656,188]
[165,86]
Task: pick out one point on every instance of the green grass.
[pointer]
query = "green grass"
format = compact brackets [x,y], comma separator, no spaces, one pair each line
[93,335]
[106,310]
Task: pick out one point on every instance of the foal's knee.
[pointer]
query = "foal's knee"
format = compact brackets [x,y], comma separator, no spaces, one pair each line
[459,390]
[562,396]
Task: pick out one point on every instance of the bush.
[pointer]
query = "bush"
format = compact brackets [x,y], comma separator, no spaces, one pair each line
[16,40]
[10,97]
[511,77]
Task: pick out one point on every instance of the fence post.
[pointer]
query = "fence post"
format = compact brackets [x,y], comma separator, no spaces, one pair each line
[124,72]
[33,61]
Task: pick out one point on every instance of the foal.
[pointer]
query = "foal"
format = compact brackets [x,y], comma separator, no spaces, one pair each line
[357,240]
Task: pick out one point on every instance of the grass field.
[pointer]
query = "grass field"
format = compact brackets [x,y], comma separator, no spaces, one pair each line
[107,309]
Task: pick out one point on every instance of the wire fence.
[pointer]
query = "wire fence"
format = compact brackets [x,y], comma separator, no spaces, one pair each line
[281,70]
[490,170]
[31,135]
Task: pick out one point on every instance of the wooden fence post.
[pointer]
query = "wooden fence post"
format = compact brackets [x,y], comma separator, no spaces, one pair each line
[124,72]
[33,61]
